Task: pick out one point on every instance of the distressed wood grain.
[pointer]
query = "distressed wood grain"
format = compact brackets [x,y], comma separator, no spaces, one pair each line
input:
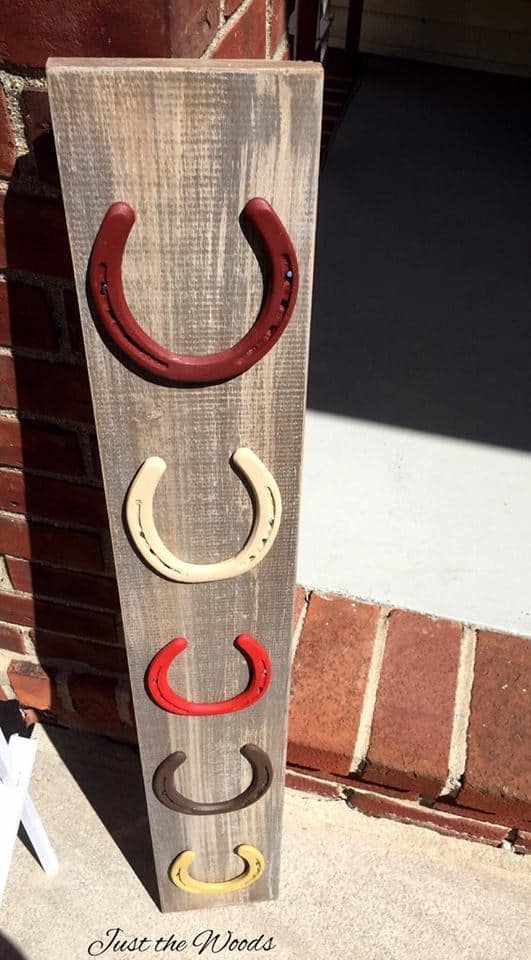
[187,144]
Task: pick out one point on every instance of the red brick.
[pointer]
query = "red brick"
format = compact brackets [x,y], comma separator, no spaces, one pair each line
[230,6]
[8,147]
[60,714]
[82,28]
[38,125]
[33,235]
[497,777]
[376,805]
[193,24]
[247,37]
[101,656]
[35,386]
[31,612]
[25,318]
[280,12]
[297,781]
[50,499]
[12,638]
[38,541]
[94,699]
[328,684]
[58,584]
[74,322]
[38,446]
[30,684]
[413,716]
[105,28]
[522,843]
[113,728]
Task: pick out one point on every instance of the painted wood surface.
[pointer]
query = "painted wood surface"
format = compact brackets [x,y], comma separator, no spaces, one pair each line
[187,144]
[479,34]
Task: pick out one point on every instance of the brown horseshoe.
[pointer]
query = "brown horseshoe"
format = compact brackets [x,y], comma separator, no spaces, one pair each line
[105,280]
[165,790]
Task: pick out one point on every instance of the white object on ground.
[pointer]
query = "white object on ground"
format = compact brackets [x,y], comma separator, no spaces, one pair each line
[16,764]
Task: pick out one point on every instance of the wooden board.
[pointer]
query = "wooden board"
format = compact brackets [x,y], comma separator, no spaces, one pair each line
[187,144]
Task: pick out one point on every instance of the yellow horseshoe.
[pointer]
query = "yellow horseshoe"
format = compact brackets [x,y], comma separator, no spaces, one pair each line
[143,532]
[182,879]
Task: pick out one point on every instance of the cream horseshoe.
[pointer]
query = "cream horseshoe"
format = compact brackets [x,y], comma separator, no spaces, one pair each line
[143,532]
[255,865]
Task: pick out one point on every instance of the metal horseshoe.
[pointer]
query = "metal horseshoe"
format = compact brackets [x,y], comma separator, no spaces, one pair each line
[164,696]
[165,790]
[144,534]
[105,279]
[255,865]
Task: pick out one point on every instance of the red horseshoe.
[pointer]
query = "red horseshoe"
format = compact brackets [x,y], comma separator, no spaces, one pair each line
[105,278]
[163,695]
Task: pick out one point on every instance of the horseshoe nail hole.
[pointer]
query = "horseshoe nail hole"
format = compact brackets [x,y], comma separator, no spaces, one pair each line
[104,288]
[288,275]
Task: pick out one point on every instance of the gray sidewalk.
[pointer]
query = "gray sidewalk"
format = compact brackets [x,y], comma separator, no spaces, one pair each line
[352,888]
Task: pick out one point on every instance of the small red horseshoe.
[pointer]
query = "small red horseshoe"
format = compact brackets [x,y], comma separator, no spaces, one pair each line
[105,277]
[163,695]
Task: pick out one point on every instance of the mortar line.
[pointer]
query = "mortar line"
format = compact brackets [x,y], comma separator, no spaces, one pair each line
[122,697]
[363,736]
[457,754]
[65,478]
[70,525]
[6,657]
[299,626]
[35,353]
[63,692]
[6,585]
[62,664]
[225,29]
[268,28]
[282,48]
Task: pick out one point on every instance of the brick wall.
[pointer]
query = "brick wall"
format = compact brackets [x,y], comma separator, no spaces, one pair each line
[420,720]
[61,644]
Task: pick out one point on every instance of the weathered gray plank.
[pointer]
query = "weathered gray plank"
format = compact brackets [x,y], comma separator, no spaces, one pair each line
[187,143]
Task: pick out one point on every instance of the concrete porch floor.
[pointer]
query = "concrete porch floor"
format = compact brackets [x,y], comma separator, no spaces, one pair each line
[352,887]
[417,462]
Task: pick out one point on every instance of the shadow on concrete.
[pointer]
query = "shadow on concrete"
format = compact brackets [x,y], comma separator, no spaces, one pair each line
[111,780]
[422,305]
[110,776]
